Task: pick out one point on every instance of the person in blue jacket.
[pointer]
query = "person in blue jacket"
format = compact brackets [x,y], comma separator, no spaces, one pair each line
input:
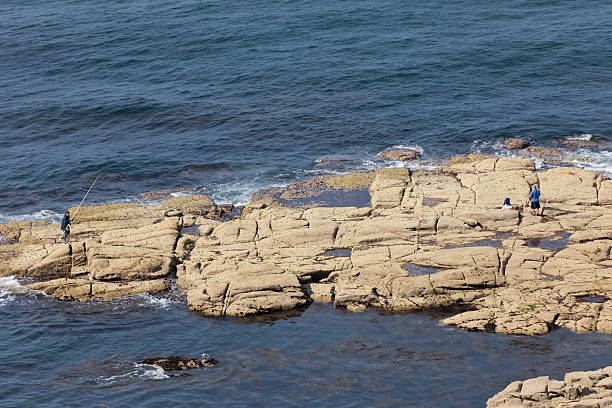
[534,197]
[66,225]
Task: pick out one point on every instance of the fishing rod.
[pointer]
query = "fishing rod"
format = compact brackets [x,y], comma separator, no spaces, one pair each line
[86,194]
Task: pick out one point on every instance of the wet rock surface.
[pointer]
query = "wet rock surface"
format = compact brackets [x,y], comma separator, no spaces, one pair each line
[577,389]
[423,240]
[400,153]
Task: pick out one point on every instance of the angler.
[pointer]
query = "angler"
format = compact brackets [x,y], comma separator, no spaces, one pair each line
[67,219]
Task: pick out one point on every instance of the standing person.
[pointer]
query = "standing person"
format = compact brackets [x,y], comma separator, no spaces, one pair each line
[66,225]
[534,197]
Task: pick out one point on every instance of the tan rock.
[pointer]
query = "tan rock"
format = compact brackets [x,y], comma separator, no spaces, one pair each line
[399,153]
[515,144]
[387,189]
[569,185]
[196,204]
[580,389]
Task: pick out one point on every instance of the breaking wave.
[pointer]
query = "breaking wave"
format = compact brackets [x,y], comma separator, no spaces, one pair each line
[139,371]
[43,215]
[7,286]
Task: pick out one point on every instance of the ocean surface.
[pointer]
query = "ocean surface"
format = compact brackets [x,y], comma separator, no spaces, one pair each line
[236,96]
[85,355]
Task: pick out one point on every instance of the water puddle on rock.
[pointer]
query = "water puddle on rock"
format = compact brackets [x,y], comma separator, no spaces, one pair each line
[333,198]
[494,241]
[432,201]
[420,270]
[342,252]
[191,230]
[592,298]
[483,242]
[556,243]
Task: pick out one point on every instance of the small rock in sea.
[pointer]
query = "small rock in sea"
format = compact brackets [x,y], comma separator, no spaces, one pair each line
[179,363]
[573,142]
[515,144]
[399,153]
[331,161]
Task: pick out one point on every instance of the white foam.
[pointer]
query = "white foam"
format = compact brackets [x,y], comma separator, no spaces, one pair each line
[600,161]
[583,136]
[140,371]
[158,303]
[44,215]
[238,192]
[411,147]
[8,285]
[152,372]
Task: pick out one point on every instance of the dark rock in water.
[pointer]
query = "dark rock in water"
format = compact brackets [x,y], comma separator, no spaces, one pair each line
[399,153]
[515,144]
[332,161]
[270,194]
[179,363]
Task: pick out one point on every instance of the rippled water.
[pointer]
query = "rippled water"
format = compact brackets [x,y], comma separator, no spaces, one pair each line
[234,96]
[72,355]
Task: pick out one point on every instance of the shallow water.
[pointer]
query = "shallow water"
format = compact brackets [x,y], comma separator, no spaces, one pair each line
[71,355]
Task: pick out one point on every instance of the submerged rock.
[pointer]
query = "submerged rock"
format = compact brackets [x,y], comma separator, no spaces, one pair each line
[314,186]
[179,363]
[577,389]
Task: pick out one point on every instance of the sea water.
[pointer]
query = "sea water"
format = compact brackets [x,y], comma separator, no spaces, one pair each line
[235,96]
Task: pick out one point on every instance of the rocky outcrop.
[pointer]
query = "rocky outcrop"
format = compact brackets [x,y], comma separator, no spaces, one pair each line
[179,363]
[516,144]
[427,239]
[400,153]
[115,250]
[577,389]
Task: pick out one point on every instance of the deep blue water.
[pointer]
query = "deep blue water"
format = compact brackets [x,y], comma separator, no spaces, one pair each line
[234,96]
[74,355]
